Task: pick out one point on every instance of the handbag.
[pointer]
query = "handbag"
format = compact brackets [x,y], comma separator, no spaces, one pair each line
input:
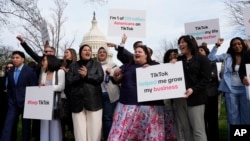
[64,109]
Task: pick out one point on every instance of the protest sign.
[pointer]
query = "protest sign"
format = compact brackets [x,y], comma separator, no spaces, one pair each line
[39,102]
[44,31]
[246,18]
[130,22]
[204,31]
[248,75]
[164,81]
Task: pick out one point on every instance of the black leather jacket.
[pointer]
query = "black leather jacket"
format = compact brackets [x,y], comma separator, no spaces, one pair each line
[85,92]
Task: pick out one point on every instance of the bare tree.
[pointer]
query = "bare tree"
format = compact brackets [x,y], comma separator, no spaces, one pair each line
[28,12]
[57,25]
[235,15]
[101,2]
[5,54]
[165,45]
[3,17]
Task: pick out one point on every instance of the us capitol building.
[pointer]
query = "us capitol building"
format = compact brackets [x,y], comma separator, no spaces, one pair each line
[96,39]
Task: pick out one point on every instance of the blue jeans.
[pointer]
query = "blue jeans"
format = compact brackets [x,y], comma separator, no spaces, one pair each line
[107,116]
[238,110]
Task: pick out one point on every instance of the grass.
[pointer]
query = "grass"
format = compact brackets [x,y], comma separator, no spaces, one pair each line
[223,123]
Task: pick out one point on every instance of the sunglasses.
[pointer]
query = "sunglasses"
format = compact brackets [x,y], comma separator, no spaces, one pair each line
[9,67]
[46,51]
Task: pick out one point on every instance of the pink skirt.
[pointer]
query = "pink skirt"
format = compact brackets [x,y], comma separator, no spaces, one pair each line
[142,123]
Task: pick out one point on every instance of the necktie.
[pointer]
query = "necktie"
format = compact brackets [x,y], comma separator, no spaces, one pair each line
[17,72]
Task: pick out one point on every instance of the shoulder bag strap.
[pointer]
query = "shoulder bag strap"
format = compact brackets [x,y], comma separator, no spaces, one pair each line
[57,95]
[56,78]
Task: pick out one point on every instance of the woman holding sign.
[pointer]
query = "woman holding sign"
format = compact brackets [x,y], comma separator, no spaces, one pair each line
[50,130]
[144,121]
[190,110]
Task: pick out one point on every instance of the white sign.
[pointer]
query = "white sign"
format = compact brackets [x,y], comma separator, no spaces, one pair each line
[164,81]
[246,17]
[130,22]
[39,102]
[44,31]
[248,75]
[204,31]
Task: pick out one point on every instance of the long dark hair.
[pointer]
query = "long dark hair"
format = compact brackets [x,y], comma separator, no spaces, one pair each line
[192,44]
[167,54]
[53,63]
[233,53]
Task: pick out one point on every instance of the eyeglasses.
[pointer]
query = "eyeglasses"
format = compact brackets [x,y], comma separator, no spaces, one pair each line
[46,51]
[9,67]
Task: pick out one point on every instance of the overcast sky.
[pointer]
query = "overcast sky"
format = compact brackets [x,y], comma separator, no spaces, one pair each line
[165,19]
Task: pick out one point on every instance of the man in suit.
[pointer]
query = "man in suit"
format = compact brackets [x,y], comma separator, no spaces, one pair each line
[19,77]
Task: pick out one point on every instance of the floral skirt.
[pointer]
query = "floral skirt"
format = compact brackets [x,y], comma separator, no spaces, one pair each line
[142,123]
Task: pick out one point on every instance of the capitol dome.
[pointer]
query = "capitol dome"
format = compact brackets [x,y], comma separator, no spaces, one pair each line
[96,39]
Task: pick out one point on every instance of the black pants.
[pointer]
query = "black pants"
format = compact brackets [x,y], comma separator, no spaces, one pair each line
[3,110]
[35,130]
[211,118]
[3,113]
[67,121]
[107,116]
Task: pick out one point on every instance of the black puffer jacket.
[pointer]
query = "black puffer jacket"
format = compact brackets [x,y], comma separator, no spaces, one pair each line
[85,92]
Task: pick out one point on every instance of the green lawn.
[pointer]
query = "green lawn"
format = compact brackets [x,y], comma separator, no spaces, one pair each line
[223,123]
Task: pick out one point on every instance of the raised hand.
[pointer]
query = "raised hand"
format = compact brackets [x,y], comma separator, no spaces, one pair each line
[124,39]
[220,41]
[20,38]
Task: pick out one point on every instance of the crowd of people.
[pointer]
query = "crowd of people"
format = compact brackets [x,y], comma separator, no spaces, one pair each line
[101,97]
